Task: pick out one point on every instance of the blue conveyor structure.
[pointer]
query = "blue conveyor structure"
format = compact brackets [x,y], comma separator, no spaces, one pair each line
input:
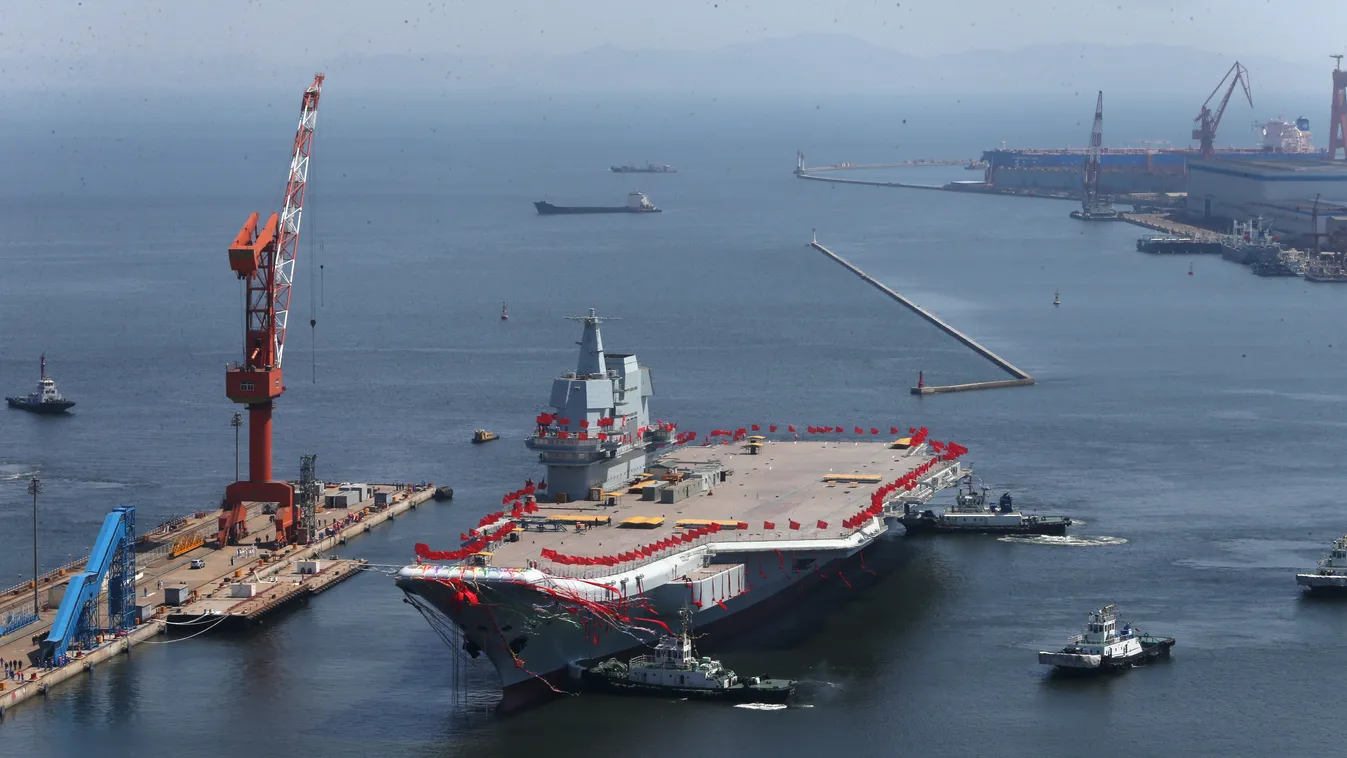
[113,558]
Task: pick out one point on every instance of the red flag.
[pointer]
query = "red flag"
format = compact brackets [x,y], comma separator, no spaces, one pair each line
[792,428]
[874,430]
[755,427]
[584,423]
[741,525]
[859,430]
[794,524]
[893,430]
[822,524]
[772,428]
[768,525]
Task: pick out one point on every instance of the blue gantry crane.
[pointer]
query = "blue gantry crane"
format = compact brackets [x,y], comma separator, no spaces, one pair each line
[113,558]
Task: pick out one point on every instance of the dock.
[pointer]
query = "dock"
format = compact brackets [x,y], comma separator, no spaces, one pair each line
[226,609]
[901,164]
[1019,378]
[284,576]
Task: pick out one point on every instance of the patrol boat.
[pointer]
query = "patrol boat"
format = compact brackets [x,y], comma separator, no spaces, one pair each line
[971,515]
[674,670]
[634,524]
[1105,646]
[1330,578]
[47,399]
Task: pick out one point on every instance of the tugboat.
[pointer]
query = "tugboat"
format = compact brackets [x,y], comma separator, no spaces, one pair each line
[971,515]
[1278,266]
[1105,647]
[676,671]
[1057,297]
[47,399]
[1330,578]
[637,202]
[481,435]
[504,313]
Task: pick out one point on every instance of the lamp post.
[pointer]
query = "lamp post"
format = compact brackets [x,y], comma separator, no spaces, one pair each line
[34,488]
[236,422]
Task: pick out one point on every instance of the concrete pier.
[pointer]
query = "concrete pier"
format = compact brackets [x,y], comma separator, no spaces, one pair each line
[222,567]
[976,188]
[1019,378]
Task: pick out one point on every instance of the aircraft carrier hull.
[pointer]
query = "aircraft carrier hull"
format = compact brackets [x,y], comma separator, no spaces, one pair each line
[535,667]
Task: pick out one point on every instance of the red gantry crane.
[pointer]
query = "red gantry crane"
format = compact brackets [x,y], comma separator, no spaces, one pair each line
[1204,126]
[265,261]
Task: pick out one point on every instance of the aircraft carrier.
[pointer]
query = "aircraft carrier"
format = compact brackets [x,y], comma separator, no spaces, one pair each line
[635,522]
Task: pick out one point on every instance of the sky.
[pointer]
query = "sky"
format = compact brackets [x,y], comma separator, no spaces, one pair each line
[281,31]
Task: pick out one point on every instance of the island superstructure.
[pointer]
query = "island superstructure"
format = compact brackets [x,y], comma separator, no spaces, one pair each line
[631,525]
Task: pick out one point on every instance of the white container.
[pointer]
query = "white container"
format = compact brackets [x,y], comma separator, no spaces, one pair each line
[242,589]
[310,567]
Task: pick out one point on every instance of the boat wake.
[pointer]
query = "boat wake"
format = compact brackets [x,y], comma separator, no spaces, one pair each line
[9,473]
[1044,539]
[762,706]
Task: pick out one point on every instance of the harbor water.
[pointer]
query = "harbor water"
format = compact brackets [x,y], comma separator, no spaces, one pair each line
[1193,423]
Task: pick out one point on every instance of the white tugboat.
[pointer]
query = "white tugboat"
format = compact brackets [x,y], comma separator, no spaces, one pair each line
[675,670]
[1107,644]
[47,399]
[1331,576]
[970,514]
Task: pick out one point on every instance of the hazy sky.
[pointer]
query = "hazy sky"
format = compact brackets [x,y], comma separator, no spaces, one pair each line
[284,31]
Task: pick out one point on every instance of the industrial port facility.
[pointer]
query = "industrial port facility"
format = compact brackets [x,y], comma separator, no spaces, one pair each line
[1299,190]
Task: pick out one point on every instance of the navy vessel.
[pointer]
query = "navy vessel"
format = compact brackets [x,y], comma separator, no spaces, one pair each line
[634,524]
[649,168]
[47,399]
[971,515]
[637,202]
[1330,576]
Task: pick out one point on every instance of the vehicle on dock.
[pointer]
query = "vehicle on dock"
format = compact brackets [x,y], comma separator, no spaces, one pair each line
[970,514]
[46,400]
[637,202]
[481,435]
[1330,577]
[674,670]
[1106,645]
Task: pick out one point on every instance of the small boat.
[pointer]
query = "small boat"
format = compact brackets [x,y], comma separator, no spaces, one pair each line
[674,670]
[971,515]
[46,400]
[1330,578]
[481,435]
[1106,646]
[1057,297]
[1190,269]
[504,313]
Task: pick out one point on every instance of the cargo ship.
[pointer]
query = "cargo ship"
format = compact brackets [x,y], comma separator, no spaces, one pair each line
[649,168]
[637,202]
[632,523]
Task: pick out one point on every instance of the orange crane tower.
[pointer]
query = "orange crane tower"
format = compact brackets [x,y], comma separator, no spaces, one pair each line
[265,261]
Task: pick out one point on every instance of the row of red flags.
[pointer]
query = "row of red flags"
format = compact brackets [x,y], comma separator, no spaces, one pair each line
[479,544]
[642,552]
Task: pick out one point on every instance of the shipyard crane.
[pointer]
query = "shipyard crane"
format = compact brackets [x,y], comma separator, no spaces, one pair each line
[265,261]
[1204,126]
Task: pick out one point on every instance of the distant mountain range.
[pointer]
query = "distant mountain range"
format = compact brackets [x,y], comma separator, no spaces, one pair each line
[806,65]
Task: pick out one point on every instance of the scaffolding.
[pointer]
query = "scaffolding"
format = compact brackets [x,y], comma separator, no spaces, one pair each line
[307,497]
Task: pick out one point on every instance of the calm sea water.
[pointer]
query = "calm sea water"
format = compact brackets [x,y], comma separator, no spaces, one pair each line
[1197,419]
